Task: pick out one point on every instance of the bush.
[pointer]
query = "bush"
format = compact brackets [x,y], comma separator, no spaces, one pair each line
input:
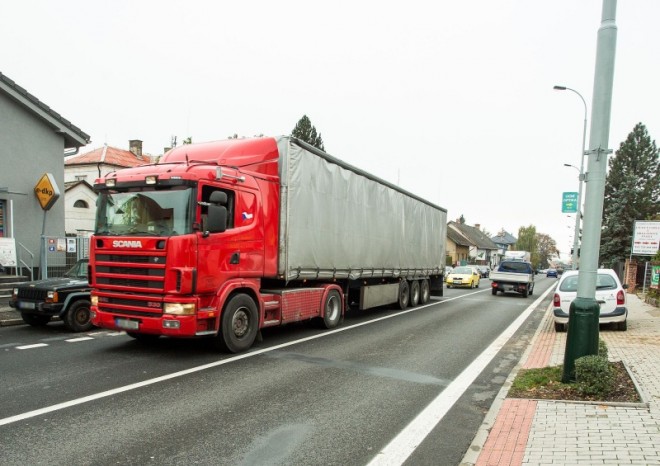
[602,348]
[594,375]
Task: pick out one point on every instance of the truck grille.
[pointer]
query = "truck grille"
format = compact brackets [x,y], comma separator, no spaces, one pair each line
[131,283]
[146,272]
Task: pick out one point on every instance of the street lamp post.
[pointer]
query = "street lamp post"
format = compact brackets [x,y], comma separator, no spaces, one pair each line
[578,215]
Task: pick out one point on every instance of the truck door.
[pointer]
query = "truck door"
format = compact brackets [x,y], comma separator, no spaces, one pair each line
[236,252]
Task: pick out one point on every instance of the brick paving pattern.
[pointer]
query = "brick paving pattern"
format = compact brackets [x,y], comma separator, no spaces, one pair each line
[541,432]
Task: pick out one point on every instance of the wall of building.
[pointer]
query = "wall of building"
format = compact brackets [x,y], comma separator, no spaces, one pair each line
[28,149]
[80,220]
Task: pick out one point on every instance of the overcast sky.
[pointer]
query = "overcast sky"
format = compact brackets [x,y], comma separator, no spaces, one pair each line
[452,100]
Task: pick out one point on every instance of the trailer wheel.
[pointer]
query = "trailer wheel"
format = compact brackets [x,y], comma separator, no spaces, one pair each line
[239,325]
[79,317]
[414,293]
[404,294]
[332,309]
[424,291]
[35,320]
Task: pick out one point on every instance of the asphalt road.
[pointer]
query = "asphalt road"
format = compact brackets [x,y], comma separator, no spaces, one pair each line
[302,395]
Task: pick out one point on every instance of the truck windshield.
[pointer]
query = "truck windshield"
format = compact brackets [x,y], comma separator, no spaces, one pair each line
[140,212]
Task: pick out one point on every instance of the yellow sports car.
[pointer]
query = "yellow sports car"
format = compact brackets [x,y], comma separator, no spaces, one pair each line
[465,276]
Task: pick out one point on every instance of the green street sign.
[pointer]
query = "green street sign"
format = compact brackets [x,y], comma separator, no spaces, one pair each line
[569,203]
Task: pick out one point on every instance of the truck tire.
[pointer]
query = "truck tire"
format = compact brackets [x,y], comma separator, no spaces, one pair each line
[332,309]
[414,293]
[239,324]
[493,291]
[531,290]
[424,291]
[404,295]
[79,316]
[525,292]
[34,319]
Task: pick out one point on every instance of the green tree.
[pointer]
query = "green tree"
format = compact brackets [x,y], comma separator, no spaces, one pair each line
[546,247]
[527,241]
[306,132]
[632,192]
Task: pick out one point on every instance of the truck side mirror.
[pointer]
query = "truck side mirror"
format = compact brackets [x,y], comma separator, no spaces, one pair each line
[217,219]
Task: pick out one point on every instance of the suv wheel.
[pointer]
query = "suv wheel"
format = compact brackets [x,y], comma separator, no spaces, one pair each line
[79,317]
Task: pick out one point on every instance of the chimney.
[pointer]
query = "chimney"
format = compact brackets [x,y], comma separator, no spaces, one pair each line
[135,146]
[477,226]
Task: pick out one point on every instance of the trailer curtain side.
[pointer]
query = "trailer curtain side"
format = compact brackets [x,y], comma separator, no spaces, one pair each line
[338,221]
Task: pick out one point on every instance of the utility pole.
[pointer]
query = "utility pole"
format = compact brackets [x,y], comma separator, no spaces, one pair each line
[582,338]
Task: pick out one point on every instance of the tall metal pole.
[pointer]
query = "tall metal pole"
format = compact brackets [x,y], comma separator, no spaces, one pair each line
[578,215]
[582,338]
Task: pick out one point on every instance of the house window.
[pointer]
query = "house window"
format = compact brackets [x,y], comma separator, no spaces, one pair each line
[80,203]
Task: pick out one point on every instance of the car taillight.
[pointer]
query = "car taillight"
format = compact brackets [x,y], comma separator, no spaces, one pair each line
[620,298]
[556,301]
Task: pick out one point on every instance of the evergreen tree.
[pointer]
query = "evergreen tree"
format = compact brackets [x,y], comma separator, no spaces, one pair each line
[632,192]
[306,132]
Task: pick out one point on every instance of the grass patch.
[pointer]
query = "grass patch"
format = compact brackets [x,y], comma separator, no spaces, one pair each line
[545,383]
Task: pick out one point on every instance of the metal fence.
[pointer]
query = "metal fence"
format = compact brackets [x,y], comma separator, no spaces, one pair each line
[63,252]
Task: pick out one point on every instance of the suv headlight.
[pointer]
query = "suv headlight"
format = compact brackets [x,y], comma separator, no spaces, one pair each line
[51,296]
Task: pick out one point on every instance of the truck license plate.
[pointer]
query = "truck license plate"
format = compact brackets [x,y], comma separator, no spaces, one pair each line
[23,305]
[127,324]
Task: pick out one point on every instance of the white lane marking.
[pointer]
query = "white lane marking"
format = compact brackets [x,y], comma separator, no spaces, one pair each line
[37,345]
[76,340]
[405,443]
[192,370]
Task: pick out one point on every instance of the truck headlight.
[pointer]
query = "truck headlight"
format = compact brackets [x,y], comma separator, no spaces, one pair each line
[179,309]
[95,300]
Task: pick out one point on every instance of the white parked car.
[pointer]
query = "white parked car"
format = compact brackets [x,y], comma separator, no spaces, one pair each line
[610,294]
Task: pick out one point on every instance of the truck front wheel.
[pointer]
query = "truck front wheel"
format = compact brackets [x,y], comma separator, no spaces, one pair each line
[79,317]
[239,325]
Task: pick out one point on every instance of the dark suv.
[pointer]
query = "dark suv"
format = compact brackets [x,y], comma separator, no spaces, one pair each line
[66,297]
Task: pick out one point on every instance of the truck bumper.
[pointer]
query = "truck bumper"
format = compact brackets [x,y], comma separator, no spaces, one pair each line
[167,325]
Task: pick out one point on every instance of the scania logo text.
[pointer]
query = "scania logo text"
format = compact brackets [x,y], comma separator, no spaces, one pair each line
[126,244]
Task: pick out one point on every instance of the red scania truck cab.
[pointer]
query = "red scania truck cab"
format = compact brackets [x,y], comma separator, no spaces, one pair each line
[225,238]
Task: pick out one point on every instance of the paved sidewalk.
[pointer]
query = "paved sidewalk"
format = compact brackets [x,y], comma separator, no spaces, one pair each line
[9,316]
[541,432]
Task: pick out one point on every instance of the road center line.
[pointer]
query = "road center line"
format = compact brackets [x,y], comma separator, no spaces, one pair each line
[36,345]
[192,370]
